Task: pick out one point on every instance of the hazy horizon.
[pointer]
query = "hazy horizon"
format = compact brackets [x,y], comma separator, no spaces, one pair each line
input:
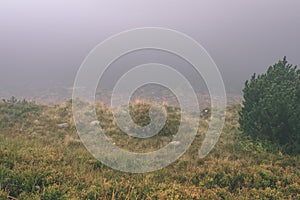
[43,43]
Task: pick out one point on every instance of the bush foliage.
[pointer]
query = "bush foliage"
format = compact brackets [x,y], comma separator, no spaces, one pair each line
[271,107]
[13,110]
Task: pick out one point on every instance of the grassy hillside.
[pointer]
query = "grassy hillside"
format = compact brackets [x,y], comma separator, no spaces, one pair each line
[40,160]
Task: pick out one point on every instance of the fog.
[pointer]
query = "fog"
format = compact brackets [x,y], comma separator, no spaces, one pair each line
[43,43]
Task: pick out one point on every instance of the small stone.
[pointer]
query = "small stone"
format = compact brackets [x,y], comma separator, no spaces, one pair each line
[175,143]
[37,187]
[94,123]
[63,125]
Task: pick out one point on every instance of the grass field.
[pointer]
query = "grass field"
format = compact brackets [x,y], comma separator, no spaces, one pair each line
[40,160]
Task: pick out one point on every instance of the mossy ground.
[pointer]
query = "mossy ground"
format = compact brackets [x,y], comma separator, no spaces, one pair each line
[39,160]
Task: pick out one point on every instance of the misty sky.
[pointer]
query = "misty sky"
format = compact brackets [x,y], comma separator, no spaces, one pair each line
[43,42]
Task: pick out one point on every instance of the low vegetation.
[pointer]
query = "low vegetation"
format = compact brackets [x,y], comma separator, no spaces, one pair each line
[41,160]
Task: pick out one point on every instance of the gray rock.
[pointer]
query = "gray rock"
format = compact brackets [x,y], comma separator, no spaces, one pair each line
[94,123]
[175,143]
[63,125]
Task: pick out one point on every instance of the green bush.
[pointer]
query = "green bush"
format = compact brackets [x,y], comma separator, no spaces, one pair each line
[271,108]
